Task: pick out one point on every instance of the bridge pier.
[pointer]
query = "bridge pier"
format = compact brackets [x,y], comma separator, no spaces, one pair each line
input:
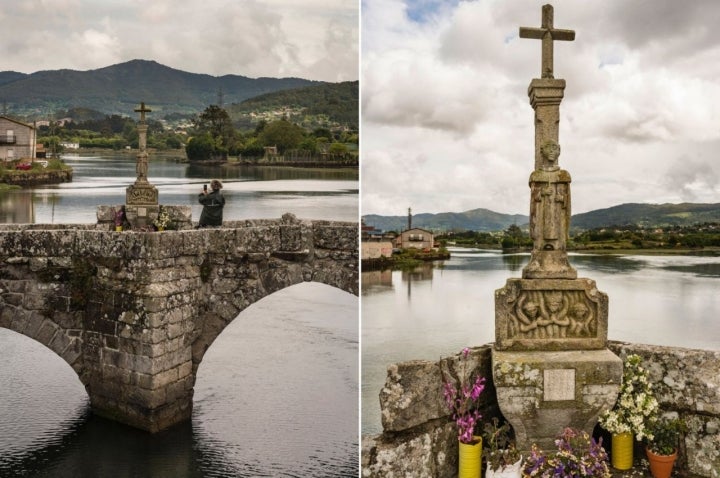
[134,312]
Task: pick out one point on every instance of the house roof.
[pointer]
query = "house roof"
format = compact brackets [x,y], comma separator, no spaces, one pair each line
[17,122]
[417,229]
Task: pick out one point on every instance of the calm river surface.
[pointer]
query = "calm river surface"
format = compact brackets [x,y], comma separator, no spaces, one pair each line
[251,192]
[436,311]
[276,394]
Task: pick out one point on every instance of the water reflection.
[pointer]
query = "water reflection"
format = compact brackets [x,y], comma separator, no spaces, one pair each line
[677,295]
[515,262]
[253,192]
[16,208]
[275,396]
[376,281]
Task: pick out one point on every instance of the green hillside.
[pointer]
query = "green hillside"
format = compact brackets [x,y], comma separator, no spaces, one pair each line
[473,220]
[645,215]
[338,101]
[648,215]
[118,89]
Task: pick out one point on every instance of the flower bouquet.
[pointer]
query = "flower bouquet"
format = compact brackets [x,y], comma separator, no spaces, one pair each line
[634,412]
[461,397]
[577,454]
[163,220]
[636,406]
[503,459]
[119,217]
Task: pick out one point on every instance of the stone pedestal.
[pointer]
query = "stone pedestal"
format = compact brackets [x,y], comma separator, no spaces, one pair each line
[550,315]
[141,217]
[540,393]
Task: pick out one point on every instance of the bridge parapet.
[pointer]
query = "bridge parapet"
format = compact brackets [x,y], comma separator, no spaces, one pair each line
[134,312]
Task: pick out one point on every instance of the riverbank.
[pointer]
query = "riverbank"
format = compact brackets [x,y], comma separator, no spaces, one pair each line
[407,259]
[54,173]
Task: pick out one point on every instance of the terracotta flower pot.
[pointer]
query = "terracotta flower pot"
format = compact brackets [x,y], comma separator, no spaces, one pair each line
[470,458]
[622,451]
[661,465]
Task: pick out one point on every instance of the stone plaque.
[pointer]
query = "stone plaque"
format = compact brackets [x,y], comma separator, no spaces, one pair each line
[559,384]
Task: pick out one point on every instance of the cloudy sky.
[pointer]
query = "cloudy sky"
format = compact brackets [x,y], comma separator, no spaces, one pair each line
[313,39]
[447,125]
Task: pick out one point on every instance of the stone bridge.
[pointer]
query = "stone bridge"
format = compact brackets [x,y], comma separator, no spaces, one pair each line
[134,312]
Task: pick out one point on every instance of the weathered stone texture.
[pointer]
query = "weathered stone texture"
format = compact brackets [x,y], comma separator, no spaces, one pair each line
[423,454]
[687,382]
[134,312]
[540,393]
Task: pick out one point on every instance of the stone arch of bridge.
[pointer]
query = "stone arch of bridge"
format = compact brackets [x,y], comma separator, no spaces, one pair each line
[65,343]
[222,309]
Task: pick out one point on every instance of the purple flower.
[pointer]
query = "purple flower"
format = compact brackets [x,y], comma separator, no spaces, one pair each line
[461,398]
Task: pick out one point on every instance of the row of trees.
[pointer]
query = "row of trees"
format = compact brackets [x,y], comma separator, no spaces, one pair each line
[212,135]
[699,235]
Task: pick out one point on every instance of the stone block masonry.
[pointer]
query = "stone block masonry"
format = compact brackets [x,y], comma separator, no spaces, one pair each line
[134,312]
[419,438]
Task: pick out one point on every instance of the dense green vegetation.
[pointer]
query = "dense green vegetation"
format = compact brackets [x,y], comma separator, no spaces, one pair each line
[640,237]
[648,215]
[605,238]
[312,106]
[214,138]
[211,136]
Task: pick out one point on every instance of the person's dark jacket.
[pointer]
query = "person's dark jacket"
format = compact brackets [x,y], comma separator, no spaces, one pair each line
[212,212]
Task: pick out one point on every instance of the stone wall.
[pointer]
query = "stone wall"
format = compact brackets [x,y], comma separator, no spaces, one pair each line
[35,177]
[134,312]
[419,437]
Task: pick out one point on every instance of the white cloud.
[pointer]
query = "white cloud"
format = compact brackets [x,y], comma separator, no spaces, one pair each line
[643,90]
[313,39]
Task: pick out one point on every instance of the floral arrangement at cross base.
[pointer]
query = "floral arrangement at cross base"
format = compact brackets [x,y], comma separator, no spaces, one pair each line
[578,454]
[119,217]
[163,219]
[461,399]
[502,458]
[636,407]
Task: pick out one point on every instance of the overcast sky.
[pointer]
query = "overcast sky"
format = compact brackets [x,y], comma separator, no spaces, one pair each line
[447,125]
[312,39]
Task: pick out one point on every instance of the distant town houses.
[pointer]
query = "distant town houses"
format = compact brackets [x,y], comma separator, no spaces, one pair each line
[376,243]
[18,140]
[415,238]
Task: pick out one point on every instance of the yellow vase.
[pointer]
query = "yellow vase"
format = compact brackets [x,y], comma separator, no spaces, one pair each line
[622,451]
[118,228]
[470,459]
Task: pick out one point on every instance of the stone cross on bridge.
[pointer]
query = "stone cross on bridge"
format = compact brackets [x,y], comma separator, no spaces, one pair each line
[142,110]
[547,33]
[551,365]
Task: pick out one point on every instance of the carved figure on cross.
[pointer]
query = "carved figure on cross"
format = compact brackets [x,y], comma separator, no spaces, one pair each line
[547,33]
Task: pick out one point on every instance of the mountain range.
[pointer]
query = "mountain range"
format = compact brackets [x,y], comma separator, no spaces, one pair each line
[647,215]
[119,89]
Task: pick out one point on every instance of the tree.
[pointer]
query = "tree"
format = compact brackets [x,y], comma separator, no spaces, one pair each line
[216,122]
[282,134]
[200,148]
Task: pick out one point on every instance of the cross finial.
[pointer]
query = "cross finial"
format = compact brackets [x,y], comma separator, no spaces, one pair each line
[547,33]
[142,110]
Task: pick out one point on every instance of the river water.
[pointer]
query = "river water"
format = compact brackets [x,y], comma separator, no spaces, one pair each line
[436,311]
[252,192]
[276,394]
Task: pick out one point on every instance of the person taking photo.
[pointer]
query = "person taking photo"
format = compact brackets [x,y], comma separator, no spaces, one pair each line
[213,203]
